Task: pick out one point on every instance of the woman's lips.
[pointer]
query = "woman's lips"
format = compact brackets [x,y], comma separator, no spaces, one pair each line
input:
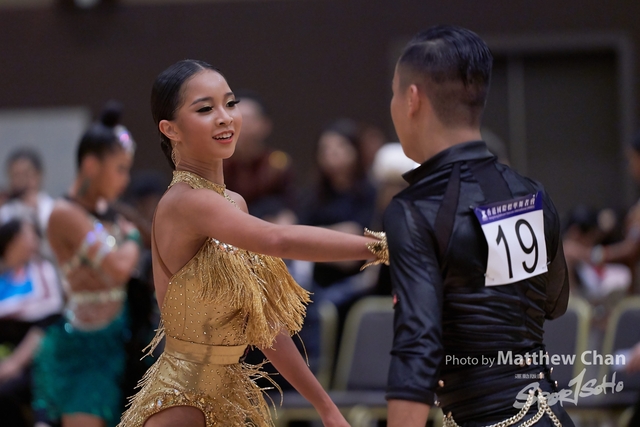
[224,137]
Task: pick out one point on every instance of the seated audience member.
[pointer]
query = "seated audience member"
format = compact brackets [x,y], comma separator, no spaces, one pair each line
[627,250]
[30,300]
[25,195]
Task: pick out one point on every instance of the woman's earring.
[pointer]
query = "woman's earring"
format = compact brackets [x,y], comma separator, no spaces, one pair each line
[175,156]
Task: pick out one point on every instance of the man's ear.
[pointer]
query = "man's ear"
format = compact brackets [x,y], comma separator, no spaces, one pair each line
[168,129]
[413,99]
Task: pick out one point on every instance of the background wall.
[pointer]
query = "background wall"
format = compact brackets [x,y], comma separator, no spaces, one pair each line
[311,60]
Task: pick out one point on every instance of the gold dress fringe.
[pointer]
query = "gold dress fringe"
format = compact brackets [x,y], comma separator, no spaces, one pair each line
[223,300]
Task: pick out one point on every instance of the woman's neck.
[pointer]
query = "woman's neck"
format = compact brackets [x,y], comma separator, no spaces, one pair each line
[82,193]
[209,171]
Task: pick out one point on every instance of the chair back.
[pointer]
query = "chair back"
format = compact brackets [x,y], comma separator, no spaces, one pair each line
[364,354]
[328,314]
[567,337]
[622,333]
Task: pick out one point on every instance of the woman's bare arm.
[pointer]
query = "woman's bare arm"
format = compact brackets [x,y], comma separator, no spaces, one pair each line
[286,358]
[21,356]
[206,213]
[68,229]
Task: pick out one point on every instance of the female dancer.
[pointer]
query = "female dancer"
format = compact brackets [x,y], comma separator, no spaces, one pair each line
[78,369]
[216,291]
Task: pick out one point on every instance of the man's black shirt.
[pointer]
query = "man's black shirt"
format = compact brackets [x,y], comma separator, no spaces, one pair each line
[443,308]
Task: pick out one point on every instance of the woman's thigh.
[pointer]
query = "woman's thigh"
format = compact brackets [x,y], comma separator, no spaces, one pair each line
[177,416]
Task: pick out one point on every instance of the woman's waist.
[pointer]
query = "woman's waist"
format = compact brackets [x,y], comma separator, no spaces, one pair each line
[203,321]
[97,296]
[204,353]
[91,310]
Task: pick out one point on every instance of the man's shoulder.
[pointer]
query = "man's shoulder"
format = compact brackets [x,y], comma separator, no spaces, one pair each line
[512,176]
[423,189]
[411,207]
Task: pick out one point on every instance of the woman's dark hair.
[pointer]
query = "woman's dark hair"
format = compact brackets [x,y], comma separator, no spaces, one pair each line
[101,137]
[166,95]
[27,154]
[8,232]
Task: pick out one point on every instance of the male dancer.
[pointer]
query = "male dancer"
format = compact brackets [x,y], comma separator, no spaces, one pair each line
[476,258]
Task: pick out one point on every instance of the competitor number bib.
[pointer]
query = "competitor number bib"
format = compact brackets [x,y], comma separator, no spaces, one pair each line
[514,231]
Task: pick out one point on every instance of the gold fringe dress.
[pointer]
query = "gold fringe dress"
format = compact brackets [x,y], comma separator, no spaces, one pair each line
[223,300]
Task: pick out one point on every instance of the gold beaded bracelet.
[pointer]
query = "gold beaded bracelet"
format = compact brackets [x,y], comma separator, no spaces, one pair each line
[379,248]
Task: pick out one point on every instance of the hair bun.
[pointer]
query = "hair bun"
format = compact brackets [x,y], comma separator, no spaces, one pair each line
[111,113]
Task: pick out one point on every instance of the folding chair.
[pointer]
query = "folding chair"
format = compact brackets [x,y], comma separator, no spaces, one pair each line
[622,333]
[361,368]
[568,335]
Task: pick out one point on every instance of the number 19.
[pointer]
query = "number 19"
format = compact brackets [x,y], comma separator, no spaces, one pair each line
[526,249]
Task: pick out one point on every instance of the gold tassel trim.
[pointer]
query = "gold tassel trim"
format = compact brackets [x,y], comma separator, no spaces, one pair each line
[244,406]
[259,286]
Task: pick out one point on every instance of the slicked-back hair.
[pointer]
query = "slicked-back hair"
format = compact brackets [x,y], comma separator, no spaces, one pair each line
[453,66]
[166,95]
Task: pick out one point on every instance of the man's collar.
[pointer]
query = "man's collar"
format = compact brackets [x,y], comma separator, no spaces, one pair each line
[473,150]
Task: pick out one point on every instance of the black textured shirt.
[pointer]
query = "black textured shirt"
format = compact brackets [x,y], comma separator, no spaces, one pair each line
[446,319]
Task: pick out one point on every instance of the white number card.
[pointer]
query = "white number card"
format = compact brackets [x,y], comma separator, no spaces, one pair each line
[514,230]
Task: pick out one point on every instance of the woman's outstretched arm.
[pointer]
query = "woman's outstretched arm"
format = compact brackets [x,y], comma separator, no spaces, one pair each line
[286,358]
[206,213]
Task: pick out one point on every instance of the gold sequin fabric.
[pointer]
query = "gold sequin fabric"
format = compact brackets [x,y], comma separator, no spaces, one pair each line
[223,300]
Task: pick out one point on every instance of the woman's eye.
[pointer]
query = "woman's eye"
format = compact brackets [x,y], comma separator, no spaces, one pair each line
[205,109]
[233,103]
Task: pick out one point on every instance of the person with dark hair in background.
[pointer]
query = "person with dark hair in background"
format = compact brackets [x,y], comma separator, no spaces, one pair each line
[601,284]
[79,366]
[475,253]
[219,282]
[627,250]
[257,171]
[344,199]
[26,197]
[30,300]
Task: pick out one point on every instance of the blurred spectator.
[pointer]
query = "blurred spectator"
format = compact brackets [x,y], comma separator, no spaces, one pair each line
[255,170]
[25,196]
[343,199]
[603,284]
[30,299]
[626,251]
